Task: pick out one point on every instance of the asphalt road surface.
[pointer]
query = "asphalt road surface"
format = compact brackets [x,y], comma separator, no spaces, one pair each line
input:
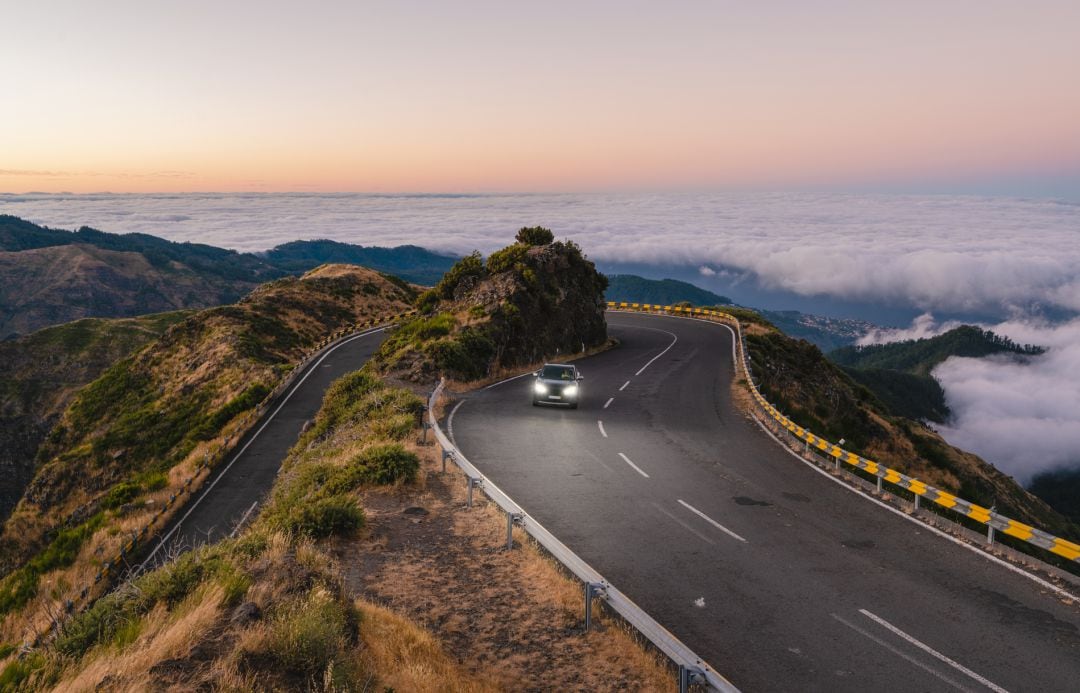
[240,484]
[781,578]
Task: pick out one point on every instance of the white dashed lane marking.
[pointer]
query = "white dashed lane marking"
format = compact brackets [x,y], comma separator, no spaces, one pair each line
[636,468]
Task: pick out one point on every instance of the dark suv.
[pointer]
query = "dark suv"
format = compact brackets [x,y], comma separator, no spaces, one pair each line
[557,383]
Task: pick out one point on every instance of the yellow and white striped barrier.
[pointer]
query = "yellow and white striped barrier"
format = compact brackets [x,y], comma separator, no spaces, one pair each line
[973,511]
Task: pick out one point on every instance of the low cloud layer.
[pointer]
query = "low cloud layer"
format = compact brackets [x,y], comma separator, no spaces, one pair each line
[922,327]
[1002,256]
[1021,414]
[933,253]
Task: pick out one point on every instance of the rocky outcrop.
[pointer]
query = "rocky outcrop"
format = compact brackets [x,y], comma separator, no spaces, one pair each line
[534,300]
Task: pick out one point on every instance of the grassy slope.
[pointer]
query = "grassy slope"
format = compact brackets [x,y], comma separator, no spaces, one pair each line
[40,373]
[818,395]
[176,625]
[131,437]
[47,286]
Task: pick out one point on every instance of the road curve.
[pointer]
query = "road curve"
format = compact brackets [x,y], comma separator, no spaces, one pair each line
[241,482]
[779,577]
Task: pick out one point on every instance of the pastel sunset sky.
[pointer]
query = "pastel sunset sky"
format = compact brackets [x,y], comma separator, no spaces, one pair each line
[137,96]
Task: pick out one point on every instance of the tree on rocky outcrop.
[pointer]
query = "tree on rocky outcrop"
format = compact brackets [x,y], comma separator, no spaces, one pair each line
[534,235]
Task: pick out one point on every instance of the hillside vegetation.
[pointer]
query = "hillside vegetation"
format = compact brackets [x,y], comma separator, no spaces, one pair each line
[266,611]
[130,438]
[920,356]
[50,276]
[899,373]
[820,396]
[536,299]
[39,375]
[630,287]
[411,263]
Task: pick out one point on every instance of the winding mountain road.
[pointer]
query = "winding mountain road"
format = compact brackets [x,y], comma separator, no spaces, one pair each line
[779,576]
[240,484]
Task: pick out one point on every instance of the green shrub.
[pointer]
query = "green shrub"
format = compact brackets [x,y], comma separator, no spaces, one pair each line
[534,235]
[507,258]
[124,492]
[309,637]
[174,581]
[19,587]
[471,265]
[99,623]
[379,464]
[327,516]
[18,672]
[467,357]
[212,424]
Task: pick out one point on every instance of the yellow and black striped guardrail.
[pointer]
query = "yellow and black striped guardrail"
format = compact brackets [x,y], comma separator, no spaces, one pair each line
[973,511]
[118,562]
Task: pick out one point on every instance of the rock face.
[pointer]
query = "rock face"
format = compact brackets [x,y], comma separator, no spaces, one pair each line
[525,304]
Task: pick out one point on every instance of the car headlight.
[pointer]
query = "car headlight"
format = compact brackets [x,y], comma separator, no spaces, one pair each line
[540,388]
[570,391]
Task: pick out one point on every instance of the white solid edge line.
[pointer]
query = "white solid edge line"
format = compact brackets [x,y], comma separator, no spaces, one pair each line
[675,338]
[450,421]
[238,455]
[931,651]
[624,386]
[506,380]
[610,400]
[602,431]
[903,655]
[974,549]
[636,468]
[685,526]
[711,521]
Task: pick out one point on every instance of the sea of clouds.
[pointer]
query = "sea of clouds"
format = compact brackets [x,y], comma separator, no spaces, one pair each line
[1021,413]
[1018,259]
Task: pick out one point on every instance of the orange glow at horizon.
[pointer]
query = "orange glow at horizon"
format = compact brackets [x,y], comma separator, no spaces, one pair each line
[509,99]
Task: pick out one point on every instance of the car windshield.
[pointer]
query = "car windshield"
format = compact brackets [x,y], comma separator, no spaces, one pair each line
[557,373]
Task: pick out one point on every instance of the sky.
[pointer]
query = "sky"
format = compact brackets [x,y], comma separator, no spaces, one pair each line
[956,96]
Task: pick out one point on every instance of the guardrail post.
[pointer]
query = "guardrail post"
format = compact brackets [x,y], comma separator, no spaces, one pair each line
[424,426]
[591,590]
[511,518]
[917,497]
[472,483]
[990,534]
[688,676]
[879,484]
[445,454]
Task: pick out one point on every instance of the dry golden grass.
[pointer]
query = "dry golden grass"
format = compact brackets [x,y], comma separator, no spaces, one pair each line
[510,617]
[210,359]
[411,658]
[165,636]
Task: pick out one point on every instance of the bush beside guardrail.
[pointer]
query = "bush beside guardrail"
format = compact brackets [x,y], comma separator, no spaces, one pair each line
[994,521]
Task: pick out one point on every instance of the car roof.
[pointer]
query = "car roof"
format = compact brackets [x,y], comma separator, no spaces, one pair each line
[564,365]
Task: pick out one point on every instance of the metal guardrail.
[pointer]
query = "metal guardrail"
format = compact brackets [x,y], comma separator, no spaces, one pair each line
[118,562]
[993,520]
[692,668]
